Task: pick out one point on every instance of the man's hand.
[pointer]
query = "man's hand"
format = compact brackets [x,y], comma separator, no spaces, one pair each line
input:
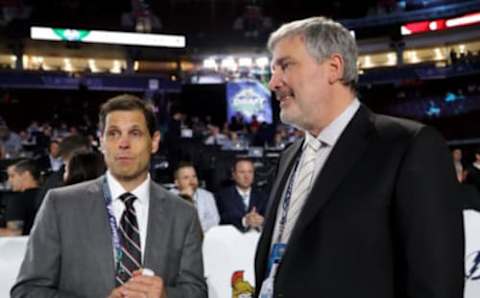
[253,219]
[189,191]
[141,286]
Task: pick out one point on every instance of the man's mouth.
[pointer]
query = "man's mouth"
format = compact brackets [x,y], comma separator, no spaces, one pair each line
[124,158]
[284,96]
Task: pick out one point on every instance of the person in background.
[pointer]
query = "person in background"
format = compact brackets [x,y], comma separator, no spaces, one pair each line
[186,182]
[83,166]
[52,161]
[473,171]
[241,204]
[215,137]
[24,179]
[10,141]
[457,163]
[67,147]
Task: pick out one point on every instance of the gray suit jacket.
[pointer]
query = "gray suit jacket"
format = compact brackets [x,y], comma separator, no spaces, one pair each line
[70,252]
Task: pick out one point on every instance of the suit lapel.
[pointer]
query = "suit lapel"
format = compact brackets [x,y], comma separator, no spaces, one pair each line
[285,167]
[349,148]
[157,228]
[100,233]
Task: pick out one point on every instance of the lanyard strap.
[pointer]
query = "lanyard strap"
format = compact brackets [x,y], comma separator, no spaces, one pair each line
[112,221]
[286,203]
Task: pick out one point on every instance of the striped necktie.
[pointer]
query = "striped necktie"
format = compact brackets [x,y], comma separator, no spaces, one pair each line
[301,185]
[131,259]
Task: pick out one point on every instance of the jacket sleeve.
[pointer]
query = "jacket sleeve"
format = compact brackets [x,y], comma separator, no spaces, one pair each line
[40,269]
[428,221]
[190,281]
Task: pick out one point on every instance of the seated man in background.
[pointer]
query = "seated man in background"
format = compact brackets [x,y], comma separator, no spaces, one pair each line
[241,204]
[186,182]
[52,161]
[23,178]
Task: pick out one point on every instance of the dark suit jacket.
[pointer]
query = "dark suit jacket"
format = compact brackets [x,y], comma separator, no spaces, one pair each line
[232,209]
[383,219]
[70,253]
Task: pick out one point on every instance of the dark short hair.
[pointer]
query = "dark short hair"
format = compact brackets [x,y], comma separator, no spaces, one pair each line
[84,166]
[182,164]
[239,159]
[72,144]
[128,102]
[28,165]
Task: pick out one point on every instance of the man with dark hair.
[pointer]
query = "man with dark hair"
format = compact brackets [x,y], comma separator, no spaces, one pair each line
[364,205]
[121,235]
[241,204]
[23,178]
[186,182]
[51,161]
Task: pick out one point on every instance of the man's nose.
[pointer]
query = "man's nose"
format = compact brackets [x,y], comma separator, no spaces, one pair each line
[124,142]
[275,81]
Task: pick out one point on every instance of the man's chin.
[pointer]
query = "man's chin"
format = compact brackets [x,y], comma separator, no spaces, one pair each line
[287,119]
[126,175]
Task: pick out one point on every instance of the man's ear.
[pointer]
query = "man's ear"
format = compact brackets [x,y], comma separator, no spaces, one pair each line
[102,145]
[156,141]
[336,67]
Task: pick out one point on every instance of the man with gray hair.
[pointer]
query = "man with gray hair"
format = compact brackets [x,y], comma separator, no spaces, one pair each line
[363,206]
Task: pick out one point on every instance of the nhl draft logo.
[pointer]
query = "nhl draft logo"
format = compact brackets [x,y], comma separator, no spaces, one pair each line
[240,287]
[472,266]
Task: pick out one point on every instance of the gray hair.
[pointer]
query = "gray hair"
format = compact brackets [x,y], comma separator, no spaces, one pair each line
[323,37]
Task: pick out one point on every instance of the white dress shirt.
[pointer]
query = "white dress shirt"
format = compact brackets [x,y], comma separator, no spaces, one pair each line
[330,134]
[141,204]
[245,196]
[328,137]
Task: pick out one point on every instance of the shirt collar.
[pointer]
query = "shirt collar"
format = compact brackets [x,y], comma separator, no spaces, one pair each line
[142,192]
[242,192]
[330,134]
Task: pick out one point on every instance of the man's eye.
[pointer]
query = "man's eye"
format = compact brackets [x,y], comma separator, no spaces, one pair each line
[284,66]
[112,133]
[137,133]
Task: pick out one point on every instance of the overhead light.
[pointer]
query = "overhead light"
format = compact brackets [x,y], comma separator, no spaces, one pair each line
[262,62]
[210,63]
[25,60]
[37,59]
[391,59]
[117,67]
[108,37]
[67,65]
[245,62]
[136,65]
[92,65]
[468,19]
[438,54]
[229,64]
[413,57]
[367,62]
